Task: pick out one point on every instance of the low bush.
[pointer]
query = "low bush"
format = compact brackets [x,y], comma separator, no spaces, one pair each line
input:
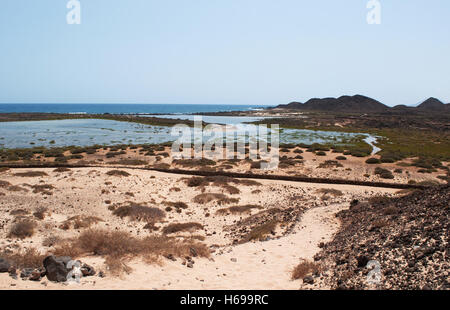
[330,164]
[22,229]
[40,212]
[209,197]
[303,269]
[238,209]
[129,162]
[384,173]
[118,173]
[118,247]
[31,174]
[372,161]
[177,227]
[260,232]
[137,212]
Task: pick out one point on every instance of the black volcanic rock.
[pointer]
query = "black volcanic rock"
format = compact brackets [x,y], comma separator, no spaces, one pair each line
[432,104]
[411,244]
[357,103]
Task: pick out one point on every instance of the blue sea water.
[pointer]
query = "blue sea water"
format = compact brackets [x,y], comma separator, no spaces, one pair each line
[123,108]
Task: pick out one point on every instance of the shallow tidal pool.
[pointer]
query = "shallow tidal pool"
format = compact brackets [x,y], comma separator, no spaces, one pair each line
[87,132]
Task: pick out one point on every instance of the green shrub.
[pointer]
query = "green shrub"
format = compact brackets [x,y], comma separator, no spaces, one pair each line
[384,173]
[372,161]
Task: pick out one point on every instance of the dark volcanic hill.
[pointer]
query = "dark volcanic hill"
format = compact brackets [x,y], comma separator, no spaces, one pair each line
[355,103]
[362,104]
[433,104]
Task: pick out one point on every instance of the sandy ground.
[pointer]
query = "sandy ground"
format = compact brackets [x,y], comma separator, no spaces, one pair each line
[251,265]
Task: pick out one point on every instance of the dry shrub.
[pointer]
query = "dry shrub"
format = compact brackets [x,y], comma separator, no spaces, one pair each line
[238,209]
[31,174]
[40,212]
[330,164]
[219,181]
[4,184]
[195,181]
[22,229]
[16,188]
[28,258]
[51,241]
[162,166]
[119,246]
[303,269]
[198,237]
[232,190]
[137,212]
[177,227]
[80,221]
[384,173]
[43,188]
[247,182]
[19,212]
[118,173]
[260,232]
[61,169]
[219,198]
[192,163]
[176,205]
[330,191]
[129,162]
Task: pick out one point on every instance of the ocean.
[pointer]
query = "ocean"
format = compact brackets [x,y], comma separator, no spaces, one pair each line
[124,108]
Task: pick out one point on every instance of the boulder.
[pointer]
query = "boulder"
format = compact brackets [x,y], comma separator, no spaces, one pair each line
[362,261]
[56,268]
[4,265]
[87,270]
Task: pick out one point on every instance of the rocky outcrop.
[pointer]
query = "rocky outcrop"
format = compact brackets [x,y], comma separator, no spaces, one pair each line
[405,239]
[56,268]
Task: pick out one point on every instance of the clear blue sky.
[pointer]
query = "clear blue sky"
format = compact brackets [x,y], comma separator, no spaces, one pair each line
[223,51]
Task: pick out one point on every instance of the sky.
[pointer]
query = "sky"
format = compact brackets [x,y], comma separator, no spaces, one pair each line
[261,52]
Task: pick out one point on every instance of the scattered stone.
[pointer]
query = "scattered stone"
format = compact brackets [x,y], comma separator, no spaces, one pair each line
[234,260]
[87,270]
[171,257]
[362,261]
[308,280]
[26,273]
